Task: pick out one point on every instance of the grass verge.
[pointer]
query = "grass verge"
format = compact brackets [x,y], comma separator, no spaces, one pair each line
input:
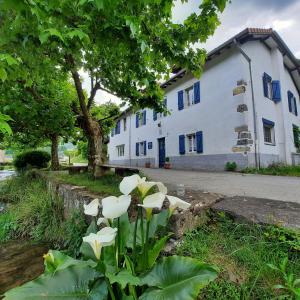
[35,214]
[275,169]
[106,186]
[242,253]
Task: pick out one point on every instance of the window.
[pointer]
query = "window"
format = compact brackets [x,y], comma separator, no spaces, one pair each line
[142,148]
[267,84]
[269,133]
[124,124]
[191,143]
[292,103]
[140,119]
[159,115]
[189,96]
[121,150]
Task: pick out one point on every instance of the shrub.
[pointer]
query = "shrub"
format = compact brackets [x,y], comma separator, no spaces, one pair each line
[36,158]
[231,166]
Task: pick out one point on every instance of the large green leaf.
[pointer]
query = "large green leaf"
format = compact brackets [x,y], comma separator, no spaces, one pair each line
[124,277]
[177,278]
[58,261]
[85,249]
[71,284]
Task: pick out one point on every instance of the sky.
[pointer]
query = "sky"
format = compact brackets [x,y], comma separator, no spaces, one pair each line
[281,15]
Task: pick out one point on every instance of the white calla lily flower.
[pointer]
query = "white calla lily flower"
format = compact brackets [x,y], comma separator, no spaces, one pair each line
[129,183]
[114,207]
[104,237]
[102,221]
[92,208]
[177,203]
[155,200]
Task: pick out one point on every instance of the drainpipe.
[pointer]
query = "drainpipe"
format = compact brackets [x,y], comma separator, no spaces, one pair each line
[256,149]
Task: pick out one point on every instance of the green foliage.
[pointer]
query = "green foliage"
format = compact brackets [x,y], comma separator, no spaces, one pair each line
[35,214]
[35,159]
[4,126]
[105,185]
[291,285]
[296,133]
[275,169]
[242,252]
[83,149]
[119,263]
[231,166]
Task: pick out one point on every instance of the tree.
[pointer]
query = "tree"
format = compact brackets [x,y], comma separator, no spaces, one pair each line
[40,116]
[125,46]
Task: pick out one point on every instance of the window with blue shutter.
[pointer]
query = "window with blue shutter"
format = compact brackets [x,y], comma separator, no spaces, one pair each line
[180,100]
[166,106]
[199,141]
[137,145]
[118,127]
[113,132]
[182,144]
[145,148]
[197,92]
[144,117]
[154,115]
[149,145]
[267,79]
[292,103]
[137,118]
[276,91]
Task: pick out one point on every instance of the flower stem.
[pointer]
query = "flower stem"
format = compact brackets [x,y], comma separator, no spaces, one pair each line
[142,225]
[110,290]
[119,244]
[147,244]
[134,237]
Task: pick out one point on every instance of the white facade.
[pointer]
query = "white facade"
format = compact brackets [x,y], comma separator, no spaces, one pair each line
[223,126]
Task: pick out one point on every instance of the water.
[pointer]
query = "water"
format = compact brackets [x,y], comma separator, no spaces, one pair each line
[5,174]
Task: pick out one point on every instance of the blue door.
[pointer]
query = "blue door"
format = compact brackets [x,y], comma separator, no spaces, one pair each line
[161,152]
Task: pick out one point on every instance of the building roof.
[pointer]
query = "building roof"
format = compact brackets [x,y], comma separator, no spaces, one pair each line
[267,36]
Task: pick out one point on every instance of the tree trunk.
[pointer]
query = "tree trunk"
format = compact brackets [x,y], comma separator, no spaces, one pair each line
[54,153]
[90,126]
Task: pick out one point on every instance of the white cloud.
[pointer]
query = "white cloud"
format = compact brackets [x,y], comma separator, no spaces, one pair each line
[282,24]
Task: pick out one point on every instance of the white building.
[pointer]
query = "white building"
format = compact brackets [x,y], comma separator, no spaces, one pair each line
[243,109]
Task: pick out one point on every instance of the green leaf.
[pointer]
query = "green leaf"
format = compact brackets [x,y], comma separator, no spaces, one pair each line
[157,221]
[177,278]
[50,32]
[71,284]
[3,74]
[156,249]
[124,277]
[78,33]
[99,4]
[62,261]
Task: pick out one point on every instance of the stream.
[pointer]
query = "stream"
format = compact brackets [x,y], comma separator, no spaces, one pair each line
[20,261]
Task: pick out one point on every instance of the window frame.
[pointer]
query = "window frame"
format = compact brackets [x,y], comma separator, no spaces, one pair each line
[187,102]
[120,150]
[272,135]
[142,149]
[191,136]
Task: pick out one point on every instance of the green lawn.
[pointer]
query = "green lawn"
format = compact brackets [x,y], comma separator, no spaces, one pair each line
[279,170]
[107,185]
[242,253]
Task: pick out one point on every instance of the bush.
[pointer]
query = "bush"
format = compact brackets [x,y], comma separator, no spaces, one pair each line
[36,158]
[231,166]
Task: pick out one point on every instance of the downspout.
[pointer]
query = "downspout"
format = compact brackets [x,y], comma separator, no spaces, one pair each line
[256,148]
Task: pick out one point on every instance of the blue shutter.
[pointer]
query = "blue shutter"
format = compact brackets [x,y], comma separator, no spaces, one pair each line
[182,144]
[154,115]
[199,141]
[145,148]
[197,92]
[180,100]
[290,97]
[295,103]
[144,117]
[150,145]
[276,92]
[266,80]
[137,120]
[118,127]
[137,149]
[268,122]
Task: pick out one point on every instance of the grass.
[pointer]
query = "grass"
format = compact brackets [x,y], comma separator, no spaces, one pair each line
[106,186]
[275,169]
[35,214]
[242,253]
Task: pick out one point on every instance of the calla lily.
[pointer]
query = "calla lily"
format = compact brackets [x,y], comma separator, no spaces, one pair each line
[49,257]
[177,203]
[92,208]
[102,221]
[104,237]
[114,207]
[153,201]
[129,183]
